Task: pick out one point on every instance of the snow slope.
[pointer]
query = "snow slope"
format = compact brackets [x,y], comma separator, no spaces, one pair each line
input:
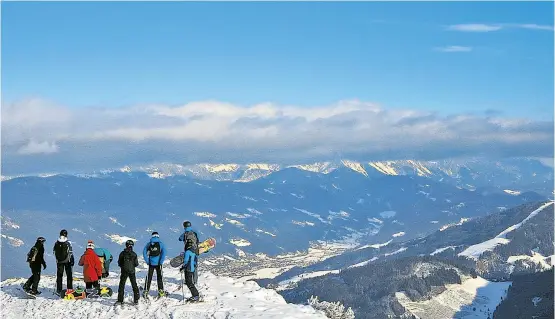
[475,251]
[224,298]
[459,300]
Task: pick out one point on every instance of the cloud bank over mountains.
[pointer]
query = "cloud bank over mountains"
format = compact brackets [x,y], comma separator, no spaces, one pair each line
[38,135]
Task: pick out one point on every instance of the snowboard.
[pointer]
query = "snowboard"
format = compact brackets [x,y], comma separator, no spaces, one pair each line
[30,296]
[203,247]
[80,293]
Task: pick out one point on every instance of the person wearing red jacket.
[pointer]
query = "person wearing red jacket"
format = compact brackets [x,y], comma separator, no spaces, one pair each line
[92,267]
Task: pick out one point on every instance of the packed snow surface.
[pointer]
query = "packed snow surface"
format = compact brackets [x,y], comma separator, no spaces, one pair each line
[223,298]
[459,300]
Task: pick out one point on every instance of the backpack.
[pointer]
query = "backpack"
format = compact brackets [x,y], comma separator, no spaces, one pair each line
[191,241]
[154,249]
[32,254]
[62,250]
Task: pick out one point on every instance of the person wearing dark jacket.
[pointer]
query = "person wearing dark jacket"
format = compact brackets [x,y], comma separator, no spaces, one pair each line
[190,260]
[154,254]
[64,261]
[127,261]
[35,258]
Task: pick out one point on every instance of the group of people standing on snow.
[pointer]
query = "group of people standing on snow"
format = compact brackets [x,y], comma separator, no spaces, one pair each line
[96,264]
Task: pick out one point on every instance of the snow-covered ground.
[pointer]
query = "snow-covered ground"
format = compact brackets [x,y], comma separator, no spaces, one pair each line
[475,251]
[224,298]
[471,299]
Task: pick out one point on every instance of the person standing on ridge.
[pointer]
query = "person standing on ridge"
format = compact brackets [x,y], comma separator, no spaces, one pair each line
[92,267]
[35,258]
[105,258]
[64,261]
[127,261]
[190,260]
[154,254]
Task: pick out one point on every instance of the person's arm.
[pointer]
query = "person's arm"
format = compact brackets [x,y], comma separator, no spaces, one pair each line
[42,259]
[98,267]
[181,237]
[162,253]
[136,263]
[82,260]
[145,250]
[119,259]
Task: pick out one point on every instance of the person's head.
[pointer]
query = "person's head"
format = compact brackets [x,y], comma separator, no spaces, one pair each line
[90,244]
[155,234]
[186,224]
[40,240]
[129,244]
[63,232]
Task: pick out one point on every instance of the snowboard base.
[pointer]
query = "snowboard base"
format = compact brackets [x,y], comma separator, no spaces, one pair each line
[203,247]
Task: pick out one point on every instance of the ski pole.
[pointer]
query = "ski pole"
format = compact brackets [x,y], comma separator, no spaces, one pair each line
[182,292]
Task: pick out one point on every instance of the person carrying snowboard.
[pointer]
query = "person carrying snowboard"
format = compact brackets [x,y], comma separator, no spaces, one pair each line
[92,267]
[127,261]
[105,259]
[190,260]
[154,254]
[64,261]
[35,258]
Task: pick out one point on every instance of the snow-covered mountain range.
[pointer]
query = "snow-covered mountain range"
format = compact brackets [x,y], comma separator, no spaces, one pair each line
[484,253]
[510,175]
[262,216]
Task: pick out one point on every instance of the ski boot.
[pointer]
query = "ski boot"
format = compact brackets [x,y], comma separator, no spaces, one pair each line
[161,293]
[193,299]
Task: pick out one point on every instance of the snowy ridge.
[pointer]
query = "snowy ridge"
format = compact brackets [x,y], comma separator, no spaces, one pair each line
[471,299]
[475,251]
[224,298]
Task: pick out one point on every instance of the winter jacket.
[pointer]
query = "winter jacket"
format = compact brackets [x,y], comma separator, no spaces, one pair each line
[39,257]
[62,247]
[188,234]
[190,261]
[92,267]
[128,260]
[154,260]
[105,258]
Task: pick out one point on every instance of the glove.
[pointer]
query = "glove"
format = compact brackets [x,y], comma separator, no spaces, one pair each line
[44,267]
[182,269]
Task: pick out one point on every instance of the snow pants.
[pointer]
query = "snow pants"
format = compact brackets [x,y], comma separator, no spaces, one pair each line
[189,281]
[33,281]
[60,275]
[121,289]
[159,278]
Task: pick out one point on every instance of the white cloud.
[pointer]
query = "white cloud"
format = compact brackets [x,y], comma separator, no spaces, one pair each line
[211,131]
[474,27]
[454,48]
[34,147]
[481,27]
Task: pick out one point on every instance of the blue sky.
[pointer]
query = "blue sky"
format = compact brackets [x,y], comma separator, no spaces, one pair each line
[308,54]
[79,78]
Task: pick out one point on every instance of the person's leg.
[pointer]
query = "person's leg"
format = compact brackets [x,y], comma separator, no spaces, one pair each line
[29,282]
[121,287]
[59,276]
[149,278]
[189,282]
[36,277]
[133,280]
[159,278]
[88,285]
[69,274]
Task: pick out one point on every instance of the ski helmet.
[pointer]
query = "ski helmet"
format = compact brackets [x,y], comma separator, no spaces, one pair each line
[41,239]
[129,243]
[186,224]
[63,232]
[155,234]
